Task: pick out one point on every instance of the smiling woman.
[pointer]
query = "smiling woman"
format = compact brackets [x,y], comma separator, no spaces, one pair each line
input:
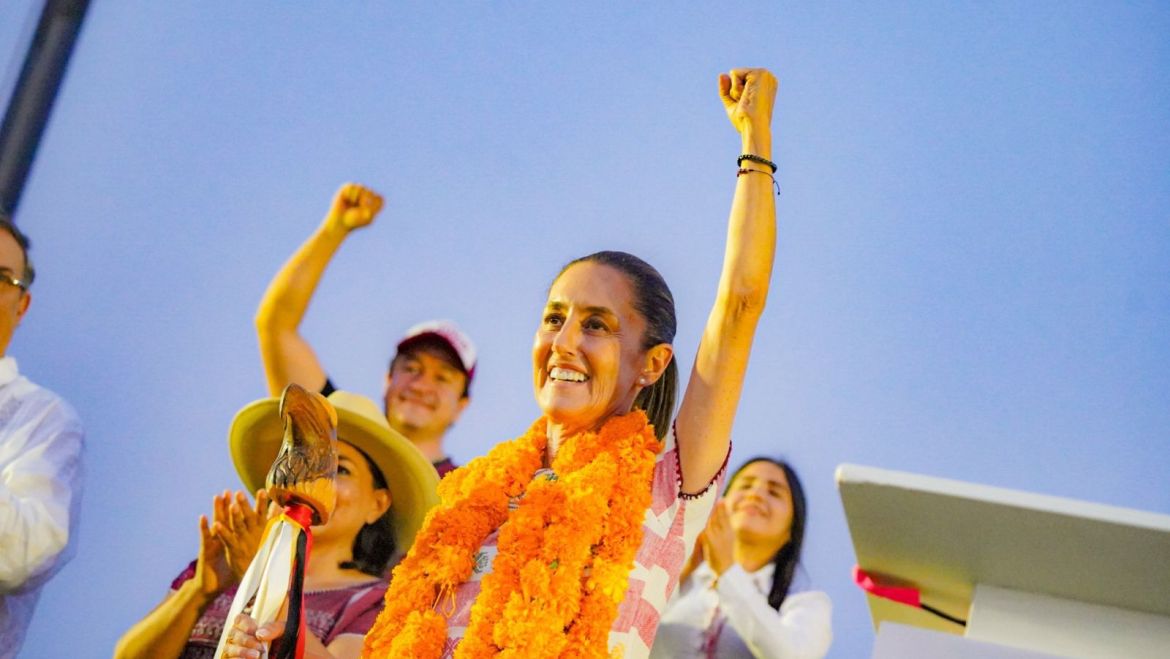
[736,598]
[603,346]
[384,487]
[568,540]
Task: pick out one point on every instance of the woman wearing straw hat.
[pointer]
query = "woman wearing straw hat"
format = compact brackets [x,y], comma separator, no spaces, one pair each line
[384,488]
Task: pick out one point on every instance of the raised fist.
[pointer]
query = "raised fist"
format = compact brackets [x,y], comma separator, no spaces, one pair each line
[748,96]
[354,206]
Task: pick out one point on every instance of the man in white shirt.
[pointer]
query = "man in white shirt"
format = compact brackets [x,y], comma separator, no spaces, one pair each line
[40,462]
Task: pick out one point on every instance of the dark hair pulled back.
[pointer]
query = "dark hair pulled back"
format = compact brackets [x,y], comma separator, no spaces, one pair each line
[788,558]
[374,545]
[653,300]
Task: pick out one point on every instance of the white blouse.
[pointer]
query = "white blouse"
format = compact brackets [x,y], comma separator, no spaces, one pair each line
[733,619]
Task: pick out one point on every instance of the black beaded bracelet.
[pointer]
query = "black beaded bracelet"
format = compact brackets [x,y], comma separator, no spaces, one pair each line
[754,158]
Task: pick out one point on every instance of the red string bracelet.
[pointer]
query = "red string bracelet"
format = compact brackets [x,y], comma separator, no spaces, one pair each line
[745,170]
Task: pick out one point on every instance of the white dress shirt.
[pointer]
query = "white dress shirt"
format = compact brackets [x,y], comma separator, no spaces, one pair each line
[730,618]
[40,493]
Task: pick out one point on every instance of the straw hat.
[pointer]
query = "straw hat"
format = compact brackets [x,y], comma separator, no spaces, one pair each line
[257,431]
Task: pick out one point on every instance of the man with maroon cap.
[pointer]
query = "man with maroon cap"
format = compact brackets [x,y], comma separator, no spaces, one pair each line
[429,379]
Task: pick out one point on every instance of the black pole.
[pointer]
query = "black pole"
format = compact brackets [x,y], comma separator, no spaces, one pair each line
[32,98]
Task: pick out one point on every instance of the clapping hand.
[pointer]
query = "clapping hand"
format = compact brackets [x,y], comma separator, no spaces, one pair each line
[239,526]
[212,572]
[718,539]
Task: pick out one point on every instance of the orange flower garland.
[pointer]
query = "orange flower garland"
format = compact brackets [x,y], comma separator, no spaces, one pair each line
[564,556]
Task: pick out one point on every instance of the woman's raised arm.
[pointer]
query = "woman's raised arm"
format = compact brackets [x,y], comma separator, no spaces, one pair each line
[712,393]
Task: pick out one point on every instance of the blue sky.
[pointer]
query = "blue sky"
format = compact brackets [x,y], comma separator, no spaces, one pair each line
[973,276]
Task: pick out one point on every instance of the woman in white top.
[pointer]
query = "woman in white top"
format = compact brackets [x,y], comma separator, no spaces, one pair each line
[737,599]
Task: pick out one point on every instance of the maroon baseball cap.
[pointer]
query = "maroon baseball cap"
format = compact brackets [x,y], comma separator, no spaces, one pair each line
[450,334]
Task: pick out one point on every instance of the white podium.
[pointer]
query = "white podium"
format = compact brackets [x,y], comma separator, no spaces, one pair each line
[1049,576]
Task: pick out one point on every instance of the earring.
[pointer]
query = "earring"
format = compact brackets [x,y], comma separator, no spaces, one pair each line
[642,381]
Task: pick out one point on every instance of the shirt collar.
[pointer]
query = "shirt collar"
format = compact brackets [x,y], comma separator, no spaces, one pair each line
[762,578]
[8,370]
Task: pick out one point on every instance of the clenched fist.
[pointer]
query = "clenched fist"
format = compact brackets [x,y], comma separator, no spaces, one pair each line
[354,206]
[748,96]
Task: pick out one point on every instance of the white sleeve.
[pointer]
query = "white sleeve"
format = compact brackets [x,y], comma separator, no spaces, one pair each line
[801,629]
[40,478]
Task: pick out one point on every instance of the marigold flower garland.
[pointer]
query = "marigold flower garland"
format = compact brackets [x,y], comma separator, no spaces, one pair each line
[564,556]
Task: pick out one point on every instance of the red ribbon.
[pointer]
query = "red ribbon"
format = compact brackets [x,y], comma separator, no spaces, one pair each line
[902,595]
[302,516]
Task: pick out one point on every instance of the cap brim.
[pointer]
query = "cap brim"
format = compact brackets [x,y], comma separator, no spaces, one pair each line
[459,360]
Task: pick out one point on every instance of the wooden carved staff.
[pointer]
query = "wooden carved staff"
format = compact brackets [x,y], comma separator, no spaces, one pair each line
[301,481]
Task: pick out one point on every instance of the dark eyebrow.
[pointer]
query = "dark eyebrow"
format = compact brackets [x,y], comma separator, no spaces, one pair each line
[601,311]
[594,310]
[769,482]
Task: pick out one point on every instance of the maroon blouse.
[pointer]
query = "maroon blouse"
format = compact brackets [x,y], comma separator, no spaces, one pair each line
[328,613]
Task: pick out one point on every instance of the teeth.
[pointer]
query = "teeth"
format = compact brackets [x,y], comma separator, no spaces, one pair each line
[566,375]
